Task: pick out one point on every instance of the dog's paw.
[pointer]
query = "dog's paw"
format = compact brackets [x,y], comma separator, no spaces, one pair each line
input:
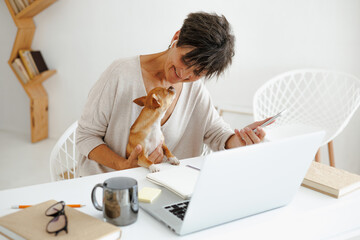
[153,168]
[174,161]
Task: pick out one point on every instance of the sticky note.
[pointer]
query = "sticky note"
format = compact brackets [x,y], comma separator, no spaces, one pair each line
[148,194]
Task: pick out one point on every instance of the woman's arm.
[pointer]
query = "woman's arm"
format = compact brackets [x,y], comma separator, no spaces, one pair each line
[218,134]
[92,125]
[105,156]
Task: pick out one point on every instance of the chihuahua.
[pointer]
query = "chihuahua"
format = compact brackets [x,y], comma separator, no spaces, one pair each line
[146,129]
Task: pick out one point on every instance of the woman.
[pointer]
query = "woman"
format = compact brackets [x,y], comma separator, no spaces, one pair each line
[202,48]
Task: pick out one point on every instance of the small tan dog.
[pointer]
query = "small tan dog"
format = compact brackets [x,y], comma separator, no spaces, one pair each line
[146,130]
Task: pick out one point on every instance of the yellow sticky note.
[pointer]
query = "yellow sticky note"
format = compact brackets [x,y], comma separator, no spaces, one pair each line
[148,194]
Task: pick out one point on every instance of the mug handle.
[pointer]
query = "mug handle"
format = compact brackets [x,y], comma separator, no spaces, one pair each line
[93,197]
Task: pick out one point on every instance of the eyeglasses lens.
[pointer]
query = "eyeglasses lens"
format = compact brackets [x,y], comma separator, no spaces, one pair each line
[54,209]
[57,224]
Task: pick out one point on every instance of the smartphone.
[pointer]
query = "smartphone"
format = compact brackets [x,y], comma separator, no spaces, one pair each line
[271,120]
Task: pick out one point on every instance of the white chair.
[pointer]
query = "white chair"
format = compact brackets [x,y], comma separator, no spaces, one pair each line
[317,98]
[63,162]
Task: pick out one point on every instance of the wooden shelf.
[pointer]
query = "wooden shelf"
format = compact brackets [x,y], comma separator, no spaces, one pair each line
[40,78]
[34,8]
[34,88]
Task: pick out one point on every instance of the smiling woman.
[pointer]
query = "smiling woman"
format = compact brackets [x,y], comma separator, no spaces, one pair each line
[202,48]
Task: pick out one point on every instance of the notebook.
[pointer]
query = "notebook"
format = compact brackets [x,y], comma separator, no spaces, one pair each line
[179,179]
[30,223]
[238,183]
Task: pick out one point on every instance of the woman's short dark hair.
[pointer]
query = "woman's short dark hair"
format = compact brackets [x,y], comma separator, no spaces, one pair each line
[212,38]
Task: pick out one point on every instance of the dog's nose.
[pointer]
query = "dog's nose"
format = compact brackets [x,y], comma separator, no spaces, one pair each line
[171,88]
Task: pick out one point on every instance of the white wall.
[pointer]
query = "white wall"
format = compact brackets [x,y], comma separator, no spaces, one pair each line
[80,38]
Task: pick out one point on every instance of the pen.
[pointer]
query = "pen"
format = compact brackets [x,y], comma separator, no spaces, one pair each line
[193,167]
[26,206]
[270,120]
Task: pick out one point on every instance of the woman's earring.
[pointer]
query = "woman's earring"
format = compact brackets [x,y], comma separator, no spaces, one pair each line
[170,46]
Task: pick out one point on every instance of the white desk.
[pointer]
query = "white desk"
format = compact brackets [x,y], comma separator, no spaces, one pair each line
[310,215]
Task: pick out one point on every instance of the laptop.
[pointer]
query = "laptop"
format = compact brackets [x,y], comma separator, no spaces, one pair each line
[238,183]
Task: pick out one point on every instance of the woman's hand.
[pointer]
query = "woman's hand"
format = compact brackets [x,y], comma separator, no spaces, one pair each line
[247,136]
[156,156]
[133,158]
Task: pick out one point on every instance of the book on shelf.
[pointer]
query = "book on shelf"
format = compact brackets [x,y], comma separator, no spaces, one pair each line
[24,55]
[31,223]
[20,5]
[20,70]
[14,6]
[32,62]
[39,61]
[26,2]
[179,179]
[330,180]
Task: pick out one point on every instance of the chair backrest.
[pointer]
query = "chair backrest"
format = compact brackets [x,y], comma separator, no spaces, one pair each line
[63,162]
[319,98]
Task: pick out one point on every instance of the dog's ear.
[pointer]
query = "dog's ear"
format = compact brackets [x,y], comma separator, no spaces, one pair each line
[155,101]
[140,101]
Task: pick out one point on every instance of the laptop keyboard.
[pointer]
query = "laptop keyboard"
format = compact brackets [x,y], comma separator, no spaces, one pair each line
[178,209]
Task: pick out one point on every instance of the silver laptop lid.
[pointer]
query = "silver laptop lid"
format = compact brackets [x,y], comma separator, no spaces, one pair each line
[241,182]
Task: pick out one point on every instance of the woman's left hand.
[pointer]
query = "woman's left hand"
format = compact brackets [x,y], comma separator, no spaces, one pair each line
[247,136]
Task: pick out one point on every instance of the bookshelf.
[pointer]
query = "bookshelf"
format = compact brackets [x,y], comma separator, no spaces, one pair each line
[34,88]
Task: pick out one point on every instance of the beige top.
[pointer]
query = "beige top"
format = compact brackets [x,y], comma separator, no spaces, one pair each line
[110,112]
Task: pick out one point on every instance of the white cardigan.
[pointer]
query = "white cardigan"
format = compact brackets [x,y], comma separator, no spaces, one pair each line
[110,112]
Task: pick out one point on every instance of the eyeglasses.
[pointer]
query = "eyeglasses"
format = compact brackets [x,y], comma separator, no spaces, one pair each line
[59,222]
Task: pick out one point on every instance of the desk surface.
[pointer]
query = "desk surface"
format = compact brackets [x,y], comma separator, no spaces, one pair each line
[310,215]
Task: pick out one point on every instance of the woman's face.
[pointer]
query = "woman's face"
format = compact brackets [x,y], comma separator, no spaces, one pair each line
[176,70]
